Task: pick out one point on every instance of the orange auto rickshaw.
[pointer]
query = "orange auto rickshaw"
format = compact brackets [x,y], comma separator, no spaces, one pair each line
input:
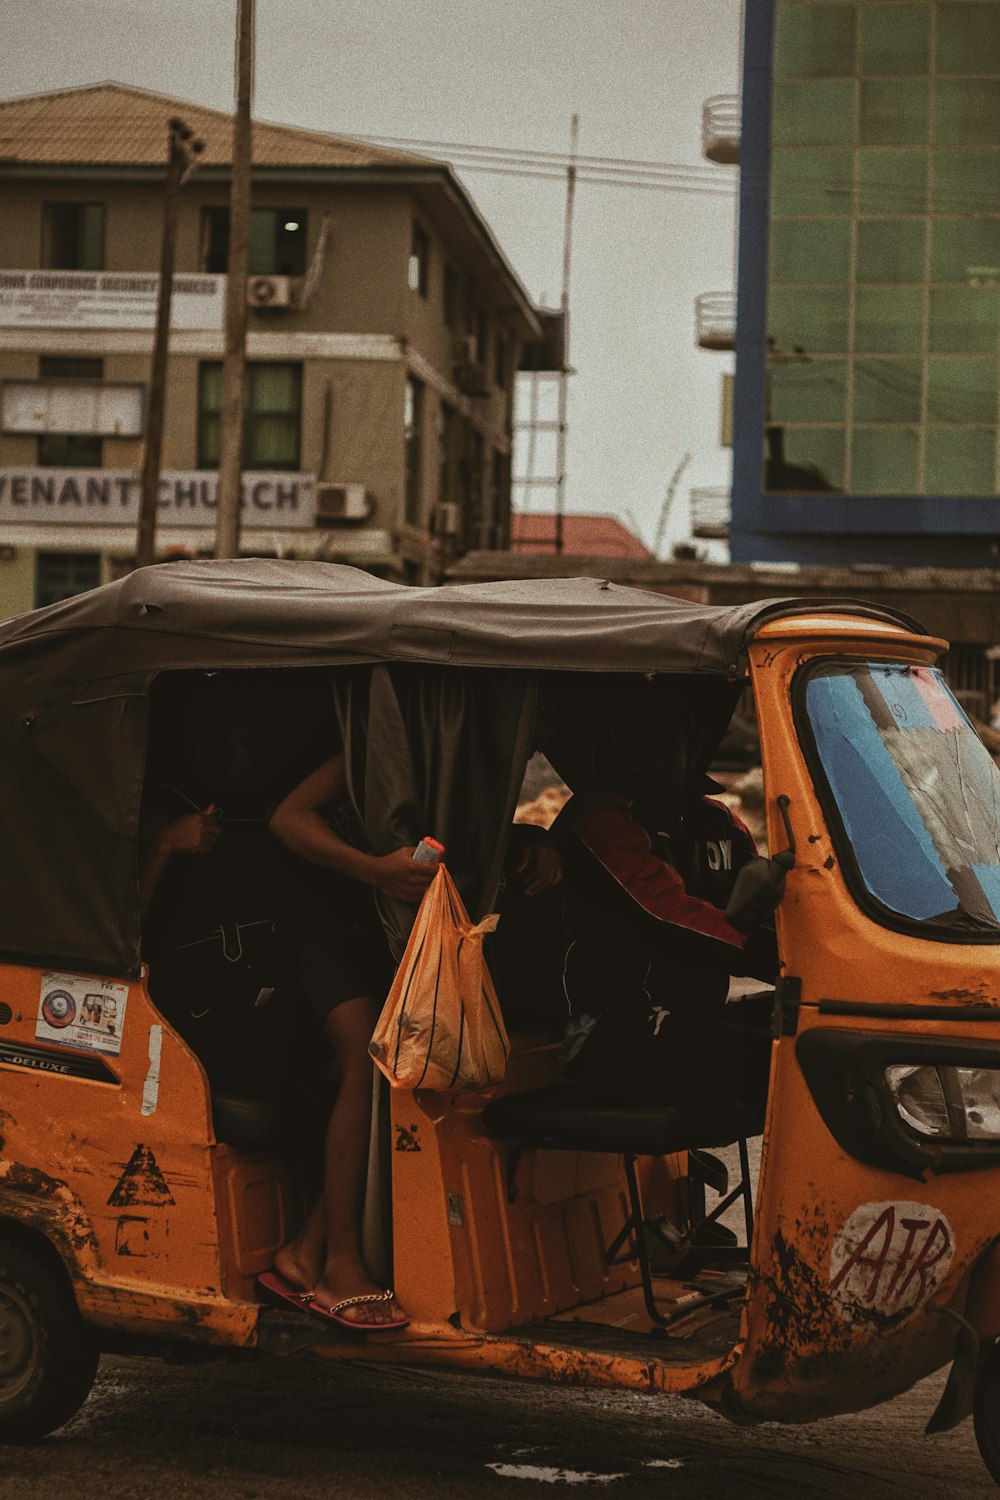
[138,1204]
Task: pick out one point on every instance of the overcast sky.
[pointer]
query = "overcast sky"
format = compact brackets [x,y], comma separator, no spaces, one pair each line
[503,73]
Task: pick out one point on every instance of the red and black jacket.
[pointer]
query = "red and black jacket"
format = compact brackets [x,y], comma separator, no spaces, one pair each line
[644,908]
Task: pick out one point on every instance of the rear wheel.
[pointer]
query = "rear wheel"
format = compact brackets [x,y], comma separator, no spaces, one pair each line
[48,1359]
[986,1410]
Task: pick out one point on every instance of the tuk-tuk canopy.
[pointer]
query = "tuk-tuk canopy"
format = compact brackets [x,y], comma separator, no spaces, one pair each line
[75,679]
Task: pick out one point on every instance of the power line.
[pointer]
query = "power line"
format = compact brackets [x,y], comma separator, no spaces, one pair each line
[552,165]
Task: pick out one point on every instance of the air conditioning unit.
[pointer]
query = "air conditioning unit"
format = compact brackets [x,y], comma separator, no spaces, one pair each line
[269,291]
[448,519]
[342,502]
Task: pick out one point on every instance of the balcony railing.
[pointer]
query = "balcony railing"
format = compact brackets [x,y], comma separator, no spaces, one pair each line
[720,129]
[715,320]
[710,514]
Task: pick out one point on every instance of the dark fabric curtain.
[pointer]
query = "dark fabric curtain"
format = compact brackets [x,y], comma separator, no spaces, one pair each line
[438,751]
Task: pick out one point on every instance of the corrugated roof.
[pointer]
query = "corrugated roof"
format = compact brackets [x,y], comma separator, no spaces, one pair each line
[582,535]
[110,124]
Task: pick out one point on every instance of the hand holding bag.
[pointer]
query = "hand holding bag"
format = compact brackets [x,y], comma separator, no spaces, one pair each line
[441,1026]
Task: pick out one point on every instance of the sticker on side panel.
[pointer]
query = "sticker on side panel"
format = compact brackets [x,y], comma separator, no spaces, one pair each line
[889,1257]
[77,1011]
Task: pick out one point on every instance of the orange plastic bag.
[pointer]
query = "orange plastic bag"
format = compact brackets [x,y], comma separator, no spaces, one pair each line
[441,1026]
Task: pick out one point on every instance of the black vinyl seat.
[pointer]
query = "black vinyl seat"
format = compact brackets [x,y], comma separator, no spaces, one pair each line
[568,1118]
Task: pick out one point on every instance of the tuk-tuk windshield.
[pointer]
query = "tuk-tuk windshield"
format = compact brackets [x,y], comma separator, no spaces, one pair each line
[917,793]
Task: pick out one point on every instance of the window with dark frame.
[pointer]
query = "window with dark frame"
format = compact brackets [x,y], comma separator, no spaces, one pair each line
[60,450]
[60,575]
[277,241]
[413,421]
[273,416]
[449,297]
[418,270]
[73,236]
[446,442]
[501,356]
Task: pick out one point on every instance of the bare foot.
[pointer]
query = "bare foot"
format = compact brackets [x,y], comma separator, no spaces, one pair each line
[296,1267]
[350,1279]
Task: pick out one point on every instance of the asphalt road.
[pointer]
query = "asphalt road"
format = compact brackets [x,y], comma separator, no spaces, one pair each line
[270,1430]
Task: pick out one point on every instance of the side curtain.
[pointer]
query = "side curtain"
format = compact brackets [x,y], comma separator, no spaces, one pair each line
[439,751]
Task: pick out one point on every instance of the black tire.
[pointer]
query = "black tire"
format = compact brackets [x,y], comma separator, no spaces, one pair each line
[48,1359]
[986,1410]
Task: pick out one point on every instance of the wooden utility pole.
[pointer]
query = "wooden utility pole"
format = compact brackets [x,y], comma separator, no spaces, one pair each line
[182,150]
[563,416]
[227,520]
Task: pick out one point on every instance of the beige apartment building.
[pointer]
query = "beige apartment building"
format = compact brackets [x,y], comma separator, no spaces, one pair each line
[386,331]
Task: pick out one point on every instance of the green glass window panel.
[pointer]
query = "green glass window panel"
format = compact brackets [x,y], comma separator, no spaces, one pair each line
[891,251]
[814,113]
[892,182]
[804,459]
[894,112]
[968,38]
[887,390]
[275,388]
[209,440]
[966,182]
[889,320]
[885,462]
[814,321]
[895,38]
[967,110]
[807,392]
[273,443]
[961,390]
[960,461]
[809,251]
[814,42]
[964,320]
[811,182]
[966,250]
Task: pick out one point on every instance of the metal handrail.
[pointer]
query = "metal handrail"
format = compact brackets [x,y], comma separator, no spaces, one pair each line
[715,320]
[720,128]
[710,513]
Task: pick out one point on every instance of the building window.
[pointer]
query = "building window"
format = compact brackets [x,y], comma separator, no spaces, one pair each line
[420,259]
[413,421]
[474,488]
[73,236]
[67,450]
[60,575]
[499,500]
[449,297]
[272,416]
[446,443]
[277,241]
[501,356]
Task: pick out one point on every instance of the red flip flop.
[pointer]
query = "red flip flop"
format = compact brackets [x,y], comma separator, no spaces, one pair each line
[282,1292]
[334,1314]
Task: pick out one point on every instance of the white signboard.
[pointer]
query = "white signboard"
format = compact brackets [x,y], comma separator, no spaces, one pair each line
[101,407]
[110,497]
[106,299]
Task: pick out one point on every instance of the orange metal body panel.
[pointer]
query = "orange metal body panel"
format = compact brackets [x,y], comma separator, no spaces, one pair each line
[817,1341]
[163,1230]
[119,1176]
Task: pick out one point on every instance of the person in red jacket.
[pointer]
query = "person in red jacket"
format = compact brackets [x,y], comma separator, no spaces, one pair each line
[649,862]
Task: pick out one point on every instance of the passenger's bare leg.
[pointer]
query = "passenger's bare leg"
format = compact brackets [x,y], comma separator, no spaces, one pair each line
[349,1028]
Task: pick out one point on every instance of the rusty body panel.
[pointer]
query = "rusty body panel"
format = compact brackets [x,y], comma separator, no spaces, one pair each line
[850,1262]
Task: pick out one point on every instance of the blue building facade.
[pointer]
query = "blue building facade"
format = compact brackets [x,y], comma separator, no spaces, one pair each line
[866,420]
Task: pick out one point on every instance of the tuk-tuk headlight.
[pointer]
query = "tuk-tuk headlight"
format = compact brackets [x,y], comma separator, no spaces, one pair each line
[949,1103]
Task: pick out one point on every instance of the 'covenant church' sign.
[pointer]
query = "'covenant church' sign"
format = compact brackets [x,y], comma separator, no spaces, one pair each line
[110,497]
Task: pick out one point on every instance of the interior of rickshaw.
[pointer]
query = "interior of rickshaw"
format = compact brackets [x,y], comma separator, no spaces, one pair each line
[593,1226]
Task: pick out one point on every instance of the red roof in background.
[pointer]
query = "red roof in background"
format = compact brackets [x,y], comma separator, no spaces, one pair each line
[582,536]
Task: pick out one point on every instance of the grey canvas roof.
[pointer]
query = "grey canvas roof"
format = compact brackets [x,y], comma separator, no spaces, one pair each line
[259,612]
[75,680]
